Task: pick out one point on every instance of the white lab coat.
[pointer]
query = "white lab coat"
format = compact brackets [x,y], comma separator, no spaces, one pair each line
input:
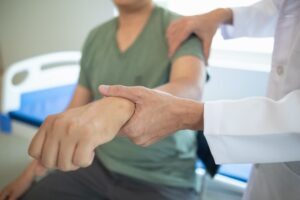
[264,130]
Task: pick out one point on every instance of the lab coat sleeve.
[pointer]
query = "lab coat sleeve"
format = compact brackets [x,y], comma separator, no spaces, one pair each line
[254,130]
[257,20]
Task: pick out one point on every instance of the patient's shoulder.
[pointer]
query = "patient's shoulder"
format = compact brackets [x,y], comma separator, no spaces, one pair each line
[102,30]
[167,15]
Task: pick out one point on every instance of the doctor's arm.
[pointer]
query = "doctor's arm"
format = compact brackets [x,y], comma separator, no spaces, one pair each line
[257,20]
[254,130]
[186,80]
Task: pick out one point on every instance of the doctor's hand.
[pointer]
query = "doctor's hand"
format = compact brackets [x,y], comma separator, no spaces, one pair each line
[157,114]
[204,26]
[67,141]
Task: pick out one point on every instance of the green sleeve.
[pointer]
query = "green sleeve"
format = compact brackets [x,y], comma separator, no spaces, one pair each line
[191,47]
[84,62]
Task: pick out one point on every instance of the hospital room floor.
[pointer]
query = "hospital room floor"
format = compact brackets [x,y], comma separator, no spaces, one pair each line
[13,158]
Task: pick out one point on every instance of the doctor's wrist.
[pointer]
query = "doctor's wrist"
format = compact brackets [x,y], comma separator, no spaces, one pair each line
[223,15]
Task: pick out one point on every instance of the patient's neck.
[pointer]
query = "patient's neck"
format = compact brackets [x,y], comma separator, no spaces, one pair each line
[135,16]
[131,23]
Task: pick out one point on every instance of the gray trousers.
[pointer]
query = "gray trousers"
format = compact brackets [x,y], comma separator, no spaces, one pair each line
[96,182]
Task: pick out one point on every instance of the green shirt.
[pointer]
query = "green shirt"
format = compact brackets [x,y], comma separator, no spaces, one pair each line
[172,160]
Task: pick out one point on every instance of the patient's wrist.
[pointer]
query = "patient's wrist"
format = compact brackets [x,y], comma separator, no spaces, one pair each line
[124,107]
[118,111]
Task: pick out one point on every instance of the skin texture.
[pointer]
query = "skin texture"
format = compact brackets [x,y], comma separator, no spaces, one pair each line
[204,26]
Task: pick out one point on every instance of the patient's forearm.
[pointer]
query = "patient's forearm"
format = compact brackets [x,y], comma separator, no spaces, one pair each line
[187,78]
[183,88]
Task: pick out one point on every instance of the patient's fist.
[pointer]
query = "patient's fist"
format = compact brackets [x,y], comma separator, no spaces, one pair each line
[67,141]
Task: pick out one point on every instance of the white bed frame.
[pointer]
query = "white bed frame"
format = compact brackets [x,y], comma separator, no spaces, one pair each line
[42,72]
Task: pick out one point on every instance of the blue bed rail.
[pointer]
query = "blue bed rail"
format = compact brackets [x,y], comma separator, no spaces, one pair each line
[37,105]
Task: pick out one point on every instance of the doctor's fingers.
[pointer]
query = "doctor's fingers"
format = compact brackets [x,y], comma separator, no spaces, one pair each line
[206,48]
[133,94]
[177,32]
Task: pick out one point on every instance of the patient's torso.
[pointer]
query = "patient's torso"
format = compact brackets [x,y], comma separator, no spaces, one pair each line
[145,62]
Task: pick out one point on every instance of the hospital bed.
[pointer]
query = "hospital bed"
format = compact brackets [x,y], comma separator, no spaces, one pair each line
[37,87]
[43,85]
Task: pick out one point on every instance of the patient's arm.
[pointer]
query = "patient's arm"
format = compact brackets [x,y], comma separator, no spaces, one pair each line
[81,96]
[186,79]
[16,188]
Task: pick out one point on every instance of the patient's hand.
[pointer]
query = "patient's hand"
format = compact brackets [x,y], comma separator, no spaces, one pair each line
[19,186]
[67,141]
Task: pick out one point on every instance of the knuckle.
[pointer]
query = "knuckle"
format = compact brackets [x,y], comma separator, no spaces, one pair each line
[140,141]
[76,161]
[127,130]
[131,132]
[81,162]
[145,144]
[47,164]
[140,130]
[71,127]
[87,163]
[64,167]
[132,135]
[135,132]
[56,123]
[86,131]
[33,153]
[137,141]
[49,119]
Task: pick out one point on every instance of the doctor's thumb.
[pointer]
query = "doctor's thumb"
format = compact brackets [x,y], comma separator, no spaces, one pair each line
[118,91]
